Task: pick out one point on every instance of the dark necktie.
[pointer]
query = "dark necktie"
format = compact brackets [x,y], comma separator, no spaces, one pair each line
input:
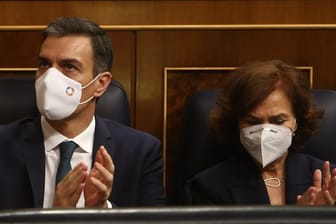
[66,151]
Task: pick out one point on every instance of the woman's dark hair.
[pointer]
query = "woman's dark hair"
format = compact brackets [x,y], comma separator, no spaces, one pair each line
[101,43]
[249,85]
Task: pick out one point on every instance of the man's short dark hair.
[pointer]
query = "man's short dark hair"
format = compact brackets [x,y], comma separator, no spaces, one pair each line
[101,42]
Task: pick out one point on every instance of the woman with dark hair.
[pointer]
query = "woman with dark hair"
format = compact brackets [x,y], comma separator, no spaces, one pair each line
[266,113]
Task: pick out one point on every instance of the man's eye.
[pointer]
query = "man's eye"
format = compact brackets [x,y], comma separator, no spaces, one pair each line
[43,65]
[70,67]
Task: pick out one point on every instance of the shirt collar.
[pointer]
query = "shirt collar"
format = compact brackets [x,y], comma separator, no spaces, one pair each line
[52,138]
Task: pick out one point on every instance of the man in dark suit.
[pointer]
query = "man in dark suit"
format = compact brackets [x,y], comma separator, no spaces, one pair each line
[112,165]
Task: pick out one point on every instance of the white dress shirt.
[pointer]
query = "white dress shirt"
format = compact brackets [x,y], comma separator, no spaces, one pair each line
[83,153]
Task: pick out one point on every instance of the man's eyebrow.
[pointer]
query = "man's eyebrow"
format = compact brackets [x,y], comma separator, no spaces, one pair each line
[62,61]
[41,58]
[71,61]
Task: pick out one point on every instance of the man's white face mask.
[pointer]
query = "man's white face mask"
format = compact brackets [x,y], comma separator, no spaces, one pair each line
[58,96]
[266,142]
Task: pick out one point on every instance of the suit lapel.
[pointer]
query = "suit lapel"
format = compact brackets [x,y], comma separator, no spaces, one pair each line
[31,142]
[250,191]
[299,179]
[102,136]
[248,186]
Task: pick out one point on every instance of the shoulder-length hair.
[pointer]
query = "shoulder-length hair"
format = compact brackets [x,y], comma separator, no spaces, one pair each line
[249,85]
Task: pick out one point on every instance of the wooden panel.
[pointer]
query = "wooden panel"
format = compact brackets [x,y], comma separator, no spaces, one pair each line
[170,12]
[123,70]
[19,49]
[18,73]
[227,48]
[180,83]
[141,56]
[142,53]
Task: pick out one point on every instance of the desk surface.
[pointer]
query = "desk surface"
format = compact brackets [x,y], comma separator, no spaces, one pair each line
[176,215]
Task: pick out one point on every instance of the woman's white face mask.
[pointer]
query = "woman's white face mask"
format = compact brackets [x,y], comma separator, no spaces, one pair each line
[58,96]
[266,142]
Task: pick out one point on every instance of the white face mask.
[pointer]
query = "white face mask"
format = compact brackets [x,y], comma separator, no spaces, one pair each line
[58,96]
[266,142]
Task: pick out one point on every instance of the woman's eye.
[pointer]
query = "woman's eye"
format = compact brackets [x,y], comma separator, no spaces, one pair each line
[250,122]
[280,121]
[253,122]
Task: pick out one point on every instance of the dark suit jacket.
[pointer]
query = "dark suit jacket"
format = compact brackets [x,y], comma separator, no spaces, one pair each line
[237,181]
[137,157]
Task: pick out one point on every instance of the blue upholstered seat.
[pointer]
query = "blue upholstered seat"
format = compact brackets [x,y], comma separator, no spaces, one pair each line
[17,100]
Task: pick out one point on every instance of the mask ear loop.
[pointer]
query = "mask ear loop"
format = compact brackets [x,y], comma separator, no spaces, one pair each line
[88,100]
[95,78]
